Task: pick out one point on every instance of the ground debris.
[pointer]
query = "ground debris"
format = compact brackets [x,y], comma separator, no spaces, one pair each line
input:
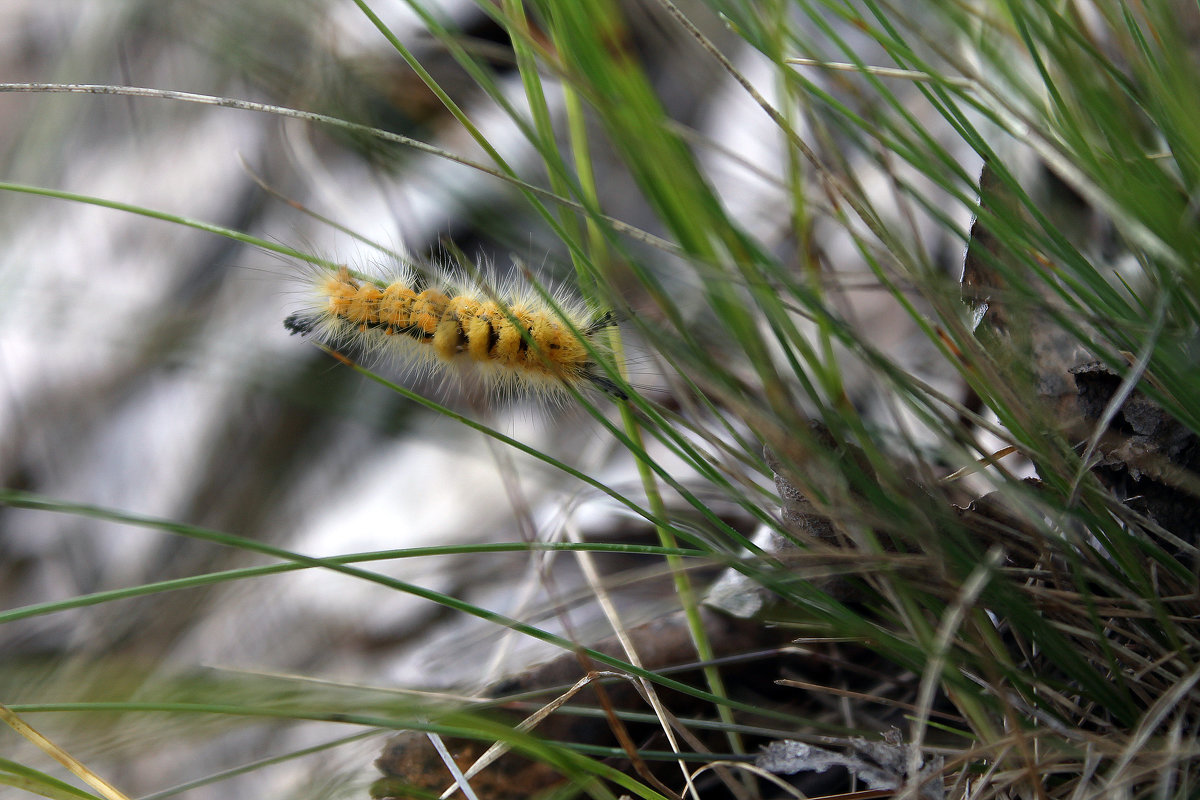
[880,765]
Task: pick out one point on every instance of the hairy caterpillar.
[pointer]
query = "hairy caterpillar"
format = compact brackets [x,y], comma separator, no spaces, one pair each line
[515,344]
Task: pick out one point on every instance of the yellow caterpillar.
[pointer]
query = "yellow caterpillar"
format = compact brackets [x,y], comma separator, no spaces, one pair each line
[516,344]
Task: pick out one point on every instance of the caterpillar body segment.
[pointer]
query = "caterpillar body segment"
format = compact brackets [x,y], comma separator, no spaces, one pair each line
[517,343]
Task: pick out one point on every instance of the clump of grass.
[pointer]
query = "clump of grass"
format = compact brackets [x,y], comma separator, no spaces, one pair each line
[1040,641]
